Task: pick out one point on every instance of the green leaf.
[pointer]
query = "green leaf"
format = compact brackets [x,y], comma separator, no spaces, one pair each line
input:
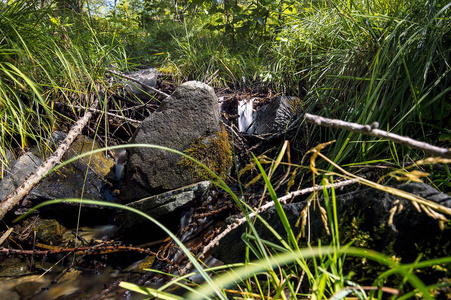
[445,137]
[260,21]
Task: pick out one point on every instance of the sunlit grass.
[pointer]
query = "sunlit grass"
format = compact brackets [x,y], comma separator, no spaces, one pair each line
[282,269]
[358,61]
[371,61]
[43,61]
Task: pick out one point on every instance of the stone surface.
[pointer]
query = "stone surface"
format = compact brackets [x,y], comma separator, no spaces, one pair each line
[48,231]
[6,163]
[25,165]
[275,116]
[10,295]
[69,181]
[81,178]
[190,113]
[13,267]
[12,286]
[166,203]
[363,219]
[147,76]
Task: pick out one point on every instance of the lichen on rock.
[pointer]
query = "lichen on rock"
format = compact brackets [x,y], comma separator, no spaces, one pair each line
[214,152]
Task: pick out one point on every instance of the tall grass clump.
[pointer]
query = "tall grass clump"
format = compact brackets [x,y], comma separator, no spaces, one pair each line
[366,61]
[22,105]
[46,56]
[322,269]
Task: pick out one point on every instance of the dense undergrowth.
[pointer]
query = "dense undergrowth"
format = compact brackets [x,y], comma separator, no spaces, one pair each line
[286,271]
[358,61]
[47,58]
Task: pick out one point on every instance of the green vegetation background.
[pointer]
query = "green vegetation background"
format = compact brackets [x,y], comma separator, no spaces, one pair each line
[359,61]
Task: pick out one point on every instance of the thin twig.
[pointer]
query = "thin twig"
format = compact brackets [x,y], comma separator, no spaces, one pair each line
[101,112]
[6,235]
[373,131]
[137,81]
[212,77]
[370,288]
[94,250]
[15,197]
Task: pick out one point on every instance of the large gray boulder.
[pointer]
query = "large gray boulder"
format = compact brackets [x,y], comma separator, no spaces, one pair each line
[363,220]
[190,113]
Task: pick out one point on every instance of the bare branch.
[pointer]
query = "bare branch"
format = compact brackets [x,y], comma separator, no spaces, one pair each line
[6,235]
[373,131]
[15,197]
[101,112]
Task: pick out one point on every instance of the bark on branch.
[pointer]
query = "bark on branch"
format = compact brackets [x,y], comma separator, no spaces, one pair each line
[373,131]
[15,197]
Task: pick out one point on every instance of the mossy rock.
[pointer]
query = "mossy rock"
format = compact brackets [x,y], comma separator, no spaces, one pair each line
[98,162]
[214,152]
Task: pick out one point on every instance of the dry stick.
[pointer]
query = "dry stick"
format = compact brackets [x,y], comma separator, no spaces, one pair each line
[6,235]
[365,129]
[137,81]
[212,76]
[101,112]
[282,200]
[14,198]
[101,250]
[373,131]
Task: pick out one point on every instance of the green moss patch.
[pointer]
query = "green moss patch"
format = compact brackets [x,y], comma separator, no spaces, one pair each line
[214,152]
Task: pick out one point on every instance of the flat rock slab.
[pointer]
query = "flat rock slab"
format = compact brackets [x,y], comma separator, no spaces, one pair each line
[166,203]
[190,113]
[83,178]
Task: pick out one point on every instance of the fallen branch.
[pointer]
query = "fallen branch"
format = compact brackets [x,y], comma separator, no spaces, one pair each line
[96,250]
[282,200]
[373,131]
[6,235]
[137,81]
[94,110]
[431,208]
[15,197]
